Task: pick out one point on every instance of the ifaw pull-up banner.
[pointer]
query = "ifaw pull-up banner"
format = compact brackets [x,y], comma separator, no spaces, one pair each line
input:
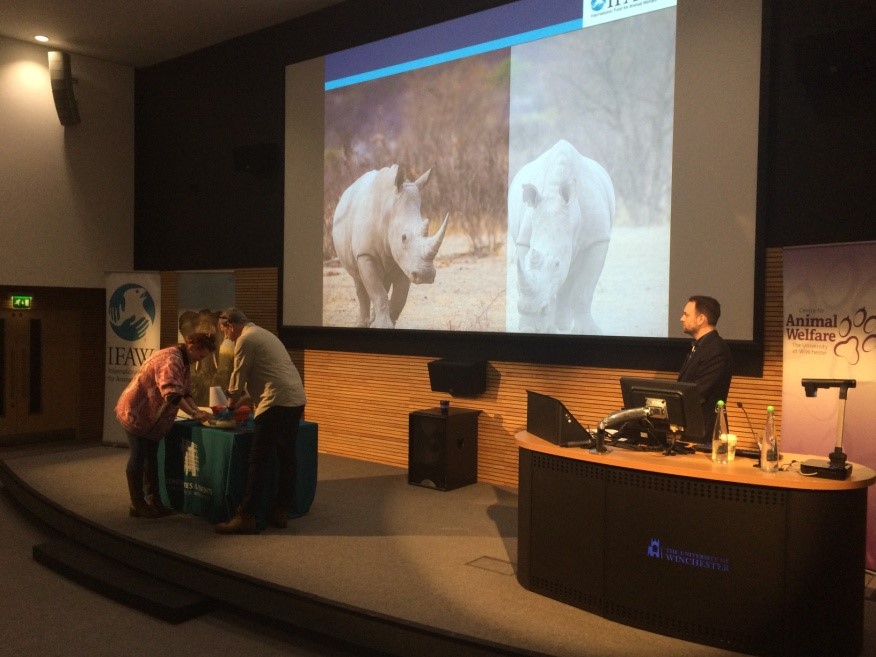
[133,334]
[830,333]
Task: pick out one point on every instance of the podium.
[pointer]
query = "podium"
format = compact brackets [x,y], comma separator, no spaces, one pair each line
[724,554]
[443,447]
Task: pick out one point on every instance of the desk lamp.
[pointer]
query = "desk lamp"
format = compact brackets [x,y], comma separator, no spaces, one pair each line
[836,467]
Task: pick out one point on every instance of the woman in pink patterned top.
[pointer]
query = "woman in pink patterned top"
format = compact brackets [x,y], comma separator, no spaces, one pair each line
[147,409]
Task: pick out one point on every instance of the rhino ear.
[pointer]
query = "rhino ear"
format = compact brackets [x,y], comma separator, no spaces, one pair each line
[422,180]
[531,196]
[399,177]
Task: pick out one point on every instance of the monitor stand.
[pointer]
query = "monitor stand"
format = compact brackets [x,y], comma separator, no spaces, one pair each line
[670,449]
[599,447]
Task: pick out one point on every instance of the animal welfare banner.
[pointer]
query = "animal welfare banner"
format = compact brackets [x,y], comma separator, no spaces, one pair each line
[830,333]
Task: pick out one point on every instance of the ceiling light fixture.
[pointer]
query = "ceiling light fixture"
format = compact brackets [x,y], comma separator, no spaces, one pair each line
[41,38]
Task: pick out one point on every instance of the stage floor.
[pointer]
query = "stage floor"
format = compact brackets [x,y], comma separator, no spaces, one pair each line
[431,560]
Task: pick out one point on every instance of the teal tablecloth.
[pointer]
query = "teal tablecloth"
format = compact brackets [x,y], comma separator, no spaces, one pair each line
[203,470]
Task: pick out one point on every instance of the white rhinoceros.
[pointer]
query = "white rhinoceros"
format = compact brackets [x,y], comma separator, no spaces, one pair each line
[560,210]
[382,241]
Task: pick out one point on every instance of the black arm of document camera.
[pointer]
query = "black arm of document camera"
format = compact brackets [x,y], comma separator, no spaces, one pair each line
[613,420]
[812,386]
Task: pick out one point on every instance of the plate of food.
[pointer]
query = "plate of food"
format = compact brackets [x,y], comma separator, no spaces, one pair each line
[219,424]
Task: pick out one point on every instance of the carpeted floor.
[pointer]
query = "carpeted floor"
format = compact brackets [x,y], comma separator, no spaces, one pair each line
[370,541]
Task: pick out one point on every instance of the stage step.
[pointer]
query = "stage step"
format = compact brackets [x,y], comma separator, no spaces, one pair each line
[115,580]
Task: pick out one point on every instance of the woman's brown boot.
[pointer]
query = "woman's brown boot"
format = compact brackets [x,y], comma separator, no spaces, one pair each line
[241,523]
[139,508]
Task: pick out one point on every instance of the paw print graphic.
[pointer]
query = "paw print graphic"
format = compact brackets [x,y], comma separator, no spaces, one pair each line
[858,333]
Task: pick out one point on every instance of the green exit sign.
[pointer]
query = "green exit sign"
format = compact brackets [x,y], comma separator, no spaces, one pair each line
[21,302]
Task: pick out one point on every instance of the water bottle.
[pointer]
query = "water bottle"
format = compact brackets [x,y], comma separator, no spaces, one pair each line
[721,436]
[769,446]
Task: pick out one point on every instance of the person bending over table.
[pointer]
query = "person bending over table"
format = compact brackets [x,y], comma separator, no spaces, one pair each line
[147,408]
[264,376]
[709,363]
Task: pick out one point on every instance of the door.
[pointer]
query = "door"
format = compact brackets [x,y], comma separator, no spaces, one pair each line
[39,391]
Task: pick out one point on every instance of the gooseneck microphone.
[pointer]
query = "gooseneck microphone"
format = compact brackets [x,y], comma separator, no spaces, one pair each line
[757,442]
[747,419]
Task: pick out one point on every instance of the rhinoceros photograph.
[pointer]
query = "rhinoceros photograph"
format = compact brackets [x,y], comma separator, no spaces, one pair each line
[560,210]
[415,185]
[590,162]
[383,242]
[526,189]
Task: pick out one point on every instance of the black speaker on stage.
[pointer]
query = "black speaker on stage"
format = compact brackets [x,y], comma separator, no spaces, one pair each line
[443,447]
[461,378]
[62,87]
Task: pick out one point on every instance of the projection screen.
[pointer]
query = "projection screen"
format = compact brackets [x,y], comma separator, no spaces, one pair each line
[596,163]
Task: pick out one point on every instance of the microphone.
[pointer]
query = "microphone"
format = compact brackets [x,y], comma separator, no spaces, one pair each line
[758,442]
[747,419]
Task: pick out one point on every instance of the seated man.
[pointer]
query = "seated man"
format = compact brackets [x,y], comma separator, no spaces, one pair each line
[709,363]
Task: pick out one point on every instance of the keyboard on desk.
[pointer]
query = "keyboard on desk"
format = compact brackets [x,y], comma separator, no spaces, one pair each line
[741,452]
[636,446]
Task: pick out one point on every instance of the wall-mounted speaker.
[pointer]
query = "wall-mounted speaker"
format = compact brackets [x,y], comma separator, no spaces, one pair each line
[459,378]
[61,74]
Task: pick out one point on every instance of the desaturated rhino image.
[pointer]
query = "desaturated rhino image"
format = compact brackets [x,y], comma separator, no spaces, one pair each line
[560,210]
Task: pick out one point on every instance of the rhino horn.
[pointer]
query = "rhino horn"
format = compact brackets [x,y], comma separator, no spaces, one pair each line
[422,180]
[435,241]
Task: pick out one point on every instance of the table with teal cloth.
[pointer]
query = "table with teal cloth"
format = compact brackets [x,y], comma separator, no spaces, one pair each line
[203,470]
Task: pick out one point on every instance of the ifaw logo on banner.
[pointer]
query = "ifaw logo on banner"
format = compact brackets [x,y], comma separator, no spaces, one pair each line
[133,334]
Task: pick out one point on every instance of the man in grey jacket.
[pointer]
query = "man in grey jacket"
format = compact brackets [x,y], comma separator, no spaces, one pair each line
[265,376]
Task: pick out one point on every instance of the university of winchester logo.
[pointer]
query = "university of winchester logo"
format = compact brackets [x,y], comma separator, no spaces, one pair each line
[687,558]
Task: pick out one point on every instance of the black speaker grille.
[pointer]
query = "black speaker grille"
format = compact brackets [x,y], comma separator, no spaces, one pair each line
[738,493]
[564,592]
[568,466]
[428,443]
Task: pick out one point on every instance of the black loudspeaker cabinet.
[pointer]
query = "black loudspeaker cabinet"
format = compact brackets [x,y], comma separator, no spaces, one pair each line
[443,447]
[61,74]
[461,378]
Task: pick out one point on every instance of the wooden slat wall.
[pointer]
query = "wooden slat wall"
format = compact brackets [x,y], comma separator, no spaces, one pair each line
[362,401]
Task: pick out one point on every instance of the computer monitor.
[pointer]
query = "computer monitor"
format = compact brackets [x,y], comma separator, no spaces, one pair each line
[674,406]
